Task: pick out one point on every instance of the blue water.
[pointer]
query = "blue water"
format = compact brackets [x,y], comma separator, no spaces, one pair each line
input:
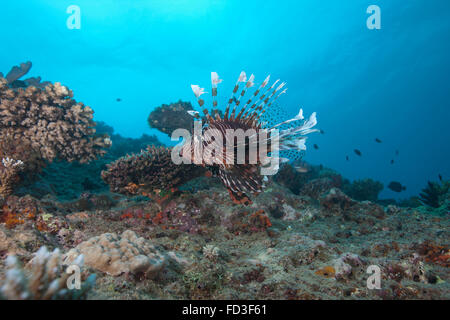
[391,83]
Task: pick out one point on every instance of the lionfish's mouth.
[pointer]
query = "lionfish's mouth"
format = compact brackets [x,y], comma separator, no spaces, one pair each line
[238,146]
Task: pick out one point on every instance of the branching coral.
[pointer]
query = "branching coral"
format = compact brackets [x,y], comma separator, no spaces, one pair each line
[44,278]
[9,169]
[434,194]
[48,122]
[151,170]
[17,72]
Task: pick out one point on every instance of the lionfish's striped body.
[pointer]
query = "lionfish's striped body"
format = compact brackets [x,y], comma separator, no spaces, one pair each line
[240,171]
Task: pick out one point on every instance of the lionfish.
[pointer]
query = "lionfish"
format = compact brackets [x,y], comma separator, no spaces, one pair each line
[240,175]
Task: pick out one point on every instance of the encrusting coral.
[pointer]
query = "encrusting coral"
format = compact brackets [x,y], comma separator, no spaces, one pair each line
[47,122]
[43,278]
[115,254]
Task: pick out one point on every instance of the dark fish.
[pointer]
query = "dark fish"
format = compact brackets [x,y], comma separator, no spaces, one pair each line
[392,161]
[321,131]
[396,152]
[346,157]
[316,146]
[358,152]
[118,99]
[378,140]
[440,178]
[396,186]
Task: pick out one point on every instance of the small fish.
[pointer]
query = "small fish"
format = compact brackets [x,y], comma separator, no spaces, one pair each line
[346,158]
[378,140]
[392,161]
[396,152]
[301,169]
[358,152]
[321,131]
[440,177]
[316,146]
[118,99]
[396,186]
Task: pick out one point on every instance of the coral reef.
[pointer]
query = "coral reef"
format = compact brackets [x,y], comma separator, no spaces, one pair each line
[45,278]
[51,121]
[9,170]
[44,124]
[70,180]
[435,194]
[115,254]
[364,189]
[17,72]
[167,118]
[283,246]
[150,171]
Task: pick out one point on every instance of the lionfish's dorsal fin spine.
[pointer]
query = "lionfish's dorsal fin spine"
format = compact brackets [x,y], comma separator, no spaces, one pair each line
[255,94]
[260,104]
[261,97]
[198,92]
[215,80]
[262,107]
[242,78]
[250,83]
[268,106]
[208,116]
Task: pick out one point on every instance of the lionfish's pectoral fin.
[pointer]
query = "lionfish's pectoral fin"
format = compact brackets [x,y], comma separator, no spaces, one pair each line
[241,180]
